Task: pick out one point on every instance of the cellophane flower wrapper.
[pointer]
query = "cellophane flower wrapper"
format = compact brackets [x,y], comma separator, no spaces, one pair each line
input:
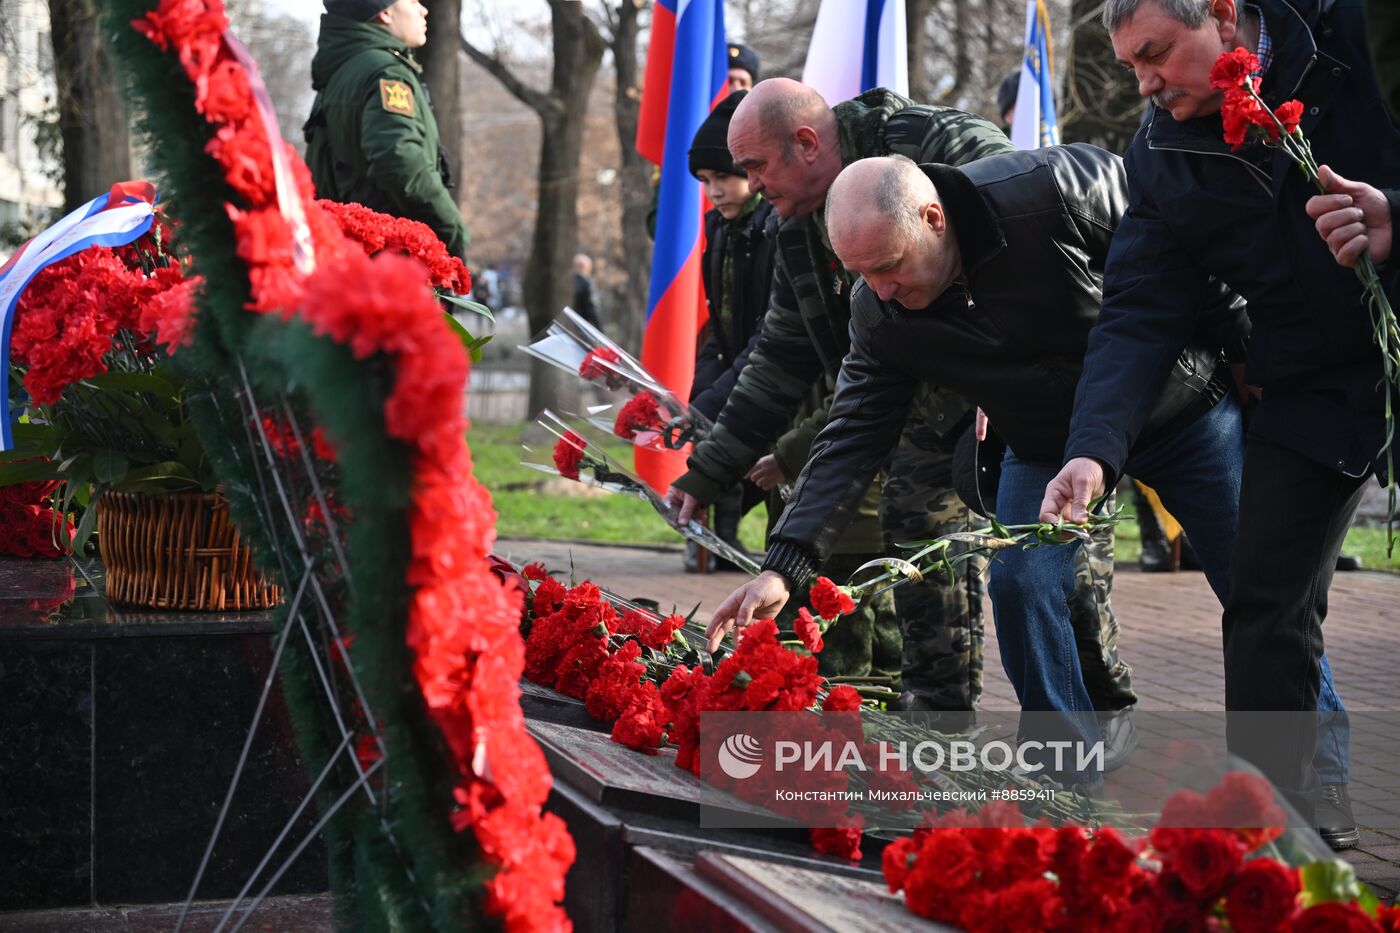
[618,380]
[554,446]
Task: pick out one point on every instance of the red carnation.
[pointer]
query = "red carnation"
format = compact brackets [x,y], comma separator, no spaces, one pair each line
[809,630]
[643,726]
[1239,112]
[227,97]
[1289,113]
[842,843]
[1232,69]
[548,595]
[641,413]
[842,699]
[592,366]
[568,454]
[1334,917]
[830,601]
[1206,860]
[535,571]
[896,860]
[1263,897]
[1245,802]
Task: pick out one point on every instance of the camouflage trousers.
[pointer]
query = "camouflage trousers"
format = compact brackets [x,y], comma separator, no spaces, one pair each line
[866,643]
[941,620]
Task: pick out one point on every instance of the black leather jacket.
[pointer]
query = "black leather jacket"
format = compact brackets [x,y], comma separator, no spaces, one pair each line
[1033,230]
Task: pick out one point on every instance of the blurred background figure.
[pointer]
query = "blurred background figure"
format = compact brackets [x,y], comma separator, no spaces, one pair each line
[584,301]
[743,67]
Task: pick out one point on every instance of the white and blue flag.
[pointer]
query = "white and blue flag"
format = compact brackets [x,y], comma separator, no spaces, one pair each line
[1034,125]
[113,219]
[878,28]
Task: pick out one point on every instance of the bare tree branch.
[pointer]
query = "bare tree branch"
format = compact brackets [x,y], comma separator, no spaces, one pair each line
[543,104]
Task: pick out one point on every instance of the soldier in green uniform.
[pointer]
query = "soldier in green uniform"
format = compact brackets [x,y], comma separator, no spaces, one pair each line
[371,138]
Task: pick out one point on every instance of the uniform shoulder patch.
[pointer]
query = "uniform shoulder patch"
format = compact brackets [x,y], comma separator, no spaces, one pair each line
[396,97]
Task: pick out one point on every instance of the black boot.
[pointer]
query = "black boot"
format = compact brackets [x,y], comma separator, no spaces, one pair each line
[1348,562]
[1335,823]
[729,510]
[926,715]
[1120,738]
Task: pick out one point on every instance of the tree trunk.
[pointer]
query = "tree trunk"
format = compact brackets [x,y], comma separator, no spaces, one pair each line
[920,74]
[441,59]
[1102,105]
[634,180]
[578,52]
[563,110]
[92,120]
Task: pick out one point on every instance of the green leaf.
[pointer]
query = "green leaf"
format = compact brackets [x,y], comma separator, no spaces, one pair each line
[108,466]
[28,471]
[134,382]
[84,529]
[1325,882]
[459,329]
[159,477]
[28,434]
[467,304]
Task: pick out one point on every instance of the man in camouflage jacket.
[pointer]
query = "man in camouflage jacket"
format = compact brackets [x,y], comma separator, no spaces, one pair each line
[793,146]
[371,138]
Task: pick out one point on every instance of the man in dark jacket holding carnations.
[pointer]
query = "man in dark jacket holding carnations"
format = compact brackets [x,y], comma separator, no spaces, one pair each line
[371,138]
[1198,209]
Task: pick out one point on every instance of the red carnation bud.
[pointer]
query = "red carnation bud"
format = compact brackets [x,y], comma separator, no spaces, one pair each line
[1289,114]
[1232,69]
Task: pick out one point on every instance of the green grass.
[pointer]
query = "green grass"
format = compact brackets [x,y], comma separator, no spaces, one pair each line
[1363,542]
[532,505]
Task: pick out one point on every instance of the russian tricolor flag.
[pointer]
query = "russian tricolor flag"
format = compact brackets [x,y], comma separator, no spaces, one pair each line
[858,45]
[686,75]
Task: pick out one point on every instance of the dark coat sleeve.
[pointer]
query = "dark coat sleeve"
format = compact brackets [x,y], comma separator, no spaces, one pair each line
[710,365]
[1152,298]
[781,370]
[710,402]
[866,417]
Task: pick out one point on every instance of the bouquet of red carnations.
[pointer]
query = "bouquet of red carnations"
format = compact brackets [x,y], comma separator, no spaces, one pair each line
[633,404]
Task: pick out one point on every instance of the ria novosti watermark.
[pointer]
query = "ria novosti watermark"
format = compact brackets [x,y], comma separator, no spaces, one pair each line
[741,756]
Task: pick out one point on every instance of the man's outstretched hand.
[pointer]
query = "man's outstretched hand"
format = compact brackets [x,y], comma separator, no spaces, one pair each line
[1068,495]
[683,502]
[763,597]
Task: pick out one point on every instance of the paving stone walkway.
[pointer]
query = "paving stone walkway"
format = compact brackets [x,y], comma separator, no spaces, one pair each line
[1170,636]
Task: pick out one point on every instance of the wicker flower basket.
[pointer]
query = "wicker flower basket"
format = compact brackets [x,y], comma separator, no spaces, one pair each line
[177,551]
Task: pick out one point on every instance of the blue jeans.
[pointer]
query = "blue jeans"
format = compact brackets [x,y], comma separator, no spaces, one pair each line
[1196,471]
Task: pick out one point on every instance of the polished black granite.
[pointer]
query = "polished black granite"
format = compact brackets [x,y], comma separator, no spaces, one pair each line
[290,914]
[45,779]
[53,599]
[119,733]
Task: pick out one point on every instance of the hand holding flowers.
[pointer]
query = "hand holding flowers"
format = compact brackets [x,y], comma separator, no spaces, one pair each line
[1246,118]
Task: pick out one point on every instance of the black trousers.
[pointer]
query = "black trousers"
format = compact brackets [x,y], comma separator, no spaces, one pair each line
[1294,514]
